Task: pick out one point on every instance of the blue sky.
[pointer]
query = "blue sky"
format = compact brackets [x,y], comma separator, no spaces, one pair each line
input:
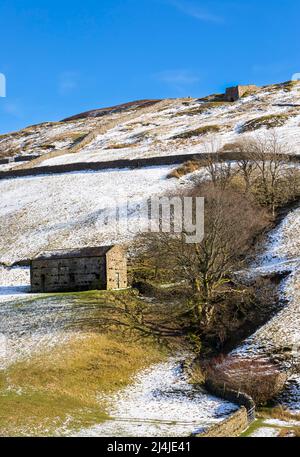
[64,57]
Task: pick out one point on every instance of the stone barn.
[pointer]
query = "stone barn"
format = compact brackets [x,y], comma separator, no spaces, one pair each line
[235,93]
[99,268]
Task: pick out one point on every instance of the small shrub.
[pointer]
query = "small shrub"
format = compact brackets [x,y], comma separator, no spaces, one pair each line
[188,167]
[214,98]
[270,121]
[230,147]
[77,138]
[120,146]
[198,132]
[47,146]
[73,137]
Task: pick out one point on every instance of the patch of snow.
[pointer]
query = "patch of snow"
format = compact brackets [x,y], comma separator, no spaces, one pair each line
[283,330]
[265,432]
[14,282]
[10,166]
[32,323]
[290,397]
[282,423]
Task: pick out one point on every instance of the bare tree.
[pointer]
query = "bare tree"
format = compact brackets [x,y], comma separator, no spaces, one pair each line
[264,166]
[220,171]
[206,268]
[246,166]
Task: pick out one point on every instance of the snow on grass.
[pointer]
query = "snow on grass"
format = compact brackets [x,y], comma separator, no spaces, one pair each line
[31,323]
[11,165]
[151,133]
[11,277]
[290,235]
[160,403]
[34,140]
[282,253]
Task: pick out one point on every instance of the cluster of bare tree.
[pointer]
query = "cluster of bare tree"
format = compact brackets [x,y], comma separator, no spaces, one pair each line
[206,270]
[263,170]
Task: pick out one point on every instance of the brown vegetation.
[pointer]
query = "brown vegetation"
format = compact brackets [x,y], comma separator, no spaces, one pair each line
[278,413]
[270,121]
[188,167]
[197,132]
[201,108]
[255,376]
[121,146]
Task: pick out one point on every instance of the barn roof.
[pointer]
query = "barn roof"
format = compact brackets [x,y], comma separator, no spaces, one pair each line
[99,251]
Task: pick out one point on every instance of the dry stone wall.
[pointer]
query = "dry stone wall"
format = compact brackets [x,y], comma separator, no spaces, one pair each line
[232,427]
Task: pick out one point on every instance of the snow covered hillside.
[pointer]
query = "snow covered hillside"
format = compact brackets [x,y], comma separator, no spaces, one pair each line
[64,210]
[157,129]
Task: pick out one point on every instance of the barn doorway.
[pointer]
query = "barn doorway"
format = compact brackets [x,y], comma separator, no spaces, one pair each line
[43,283]
[118,282]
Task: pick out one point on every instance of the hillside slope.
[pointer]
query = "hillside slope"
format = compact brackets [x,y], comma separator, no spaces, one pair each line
[51,212]
[159,127]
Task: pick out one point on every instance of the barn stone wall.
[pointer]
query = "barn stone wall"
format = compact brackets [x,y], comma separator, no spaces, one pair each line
[71,274]
[116,268]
